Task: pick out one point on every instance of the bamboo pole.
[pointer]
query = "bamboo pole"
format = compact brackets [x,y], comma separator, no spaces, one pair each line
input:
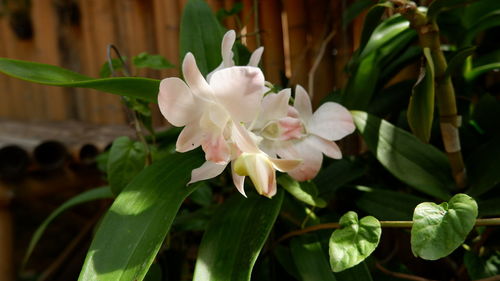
[6,236]
[99,26]
[5,92]
[272,39]
[55,99]
[297,40]
[249,30]
[450,121]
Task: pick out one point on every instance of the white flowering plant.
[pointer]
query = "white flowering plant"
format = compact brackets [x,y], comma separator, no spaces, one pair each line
[228,123]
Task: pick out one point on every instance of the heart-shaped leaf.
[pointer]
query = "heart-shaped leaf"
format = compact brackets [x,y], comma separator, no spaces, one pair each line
[126,159]
[354,241]
[439,229]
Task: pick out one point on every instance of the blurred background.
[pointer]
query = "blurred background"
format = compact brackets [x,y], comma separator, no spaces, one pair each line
[51,137]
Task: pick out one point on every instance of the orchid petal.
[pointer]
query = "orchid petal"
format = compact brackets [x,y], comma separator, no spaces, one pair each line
[216,148]
[275,106]
[260,170]
[189,138]
[214,118]
[255,57]
[285,165]
[329,148]
[303,103]
[239,89]
[311,157]
[331,121]
[239,181]
[176,102]
[243,140]
[206,171]
[226,46]
[194,78]
[291,128]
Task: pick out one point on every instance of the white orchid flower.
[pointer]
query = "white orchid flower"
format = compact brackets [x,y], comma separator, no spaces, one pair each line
[296,133]
[206,109]
[227,54]
[256,164]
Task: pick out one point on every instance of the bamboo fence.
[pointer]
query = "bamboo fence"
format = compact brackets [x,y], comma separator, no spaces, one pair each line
[75,33]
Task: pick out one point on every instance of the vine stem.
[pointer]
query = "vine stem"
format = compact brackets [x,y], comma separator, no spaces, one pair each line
[384,224]
[450,121]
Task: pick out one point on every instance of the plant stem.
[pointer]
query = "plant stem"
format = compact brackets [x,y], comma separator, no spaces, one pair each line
[384,224]
[428,34]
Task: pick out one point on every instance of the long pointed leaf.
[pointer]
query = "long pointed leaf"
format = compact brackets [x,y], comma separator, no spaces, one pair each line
[421,108]
[90,195]
[417,164]
[201,34]
[135,226]
[235,237]
[46,74]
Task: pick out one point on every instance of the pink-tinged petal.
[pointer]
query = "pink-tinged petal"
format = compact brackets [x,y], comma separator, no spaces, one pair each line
[291,128]
[195,79]
[239,181]
[331,121]
[226,46]
[260,170]
[285,165]
[303,103]
[214,118]
[241,137]
[206,171]
[216,148]
[329,148]
[189,138]
[255,57]
[311,157]
[176,102]
[239,89]
[275,106]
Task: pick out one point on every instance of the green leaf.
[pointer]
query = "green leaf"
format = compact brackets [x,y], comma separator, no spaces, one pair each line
[421,108]
[387,204]
[116,64]
[361,86]
[439,229]
[458,60]
[151,61]
[419,165]
[354,10]
[482,267]
[304,191]
[354,241]
[356,273]
[483,167]
[235,237]
[489,207]
[132,231]
[201,34]
[474,73]
[438,6]
[311,261]
[372,20]
[143,88]
[338,174]
[87,196]
[285,258]
[202,195]
[384,33]
[126,159]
